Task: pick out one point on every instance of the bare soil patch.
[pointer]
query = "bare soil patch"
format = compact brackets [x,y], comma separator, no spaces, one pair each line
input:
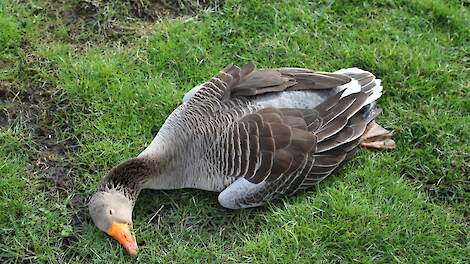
[36,106]
[105,21]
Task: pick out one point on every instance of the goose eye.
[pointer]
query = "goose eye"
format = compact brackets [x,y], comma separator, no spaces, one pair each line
[111,211]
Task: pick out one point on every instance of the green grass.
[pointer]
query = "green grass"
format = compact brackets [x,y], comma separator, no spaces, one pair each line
[79,97]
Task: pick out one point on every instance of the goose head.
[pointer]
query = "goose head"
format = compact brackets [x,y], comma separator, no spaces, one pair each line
[111,212]
[111,206]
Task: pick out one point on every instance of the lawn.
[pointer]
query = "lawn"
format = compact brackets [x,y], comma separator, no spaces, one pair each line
[85,84]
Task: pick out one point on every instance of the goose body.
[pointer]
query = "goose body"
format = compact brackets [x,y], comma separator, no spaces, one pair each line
[252,135]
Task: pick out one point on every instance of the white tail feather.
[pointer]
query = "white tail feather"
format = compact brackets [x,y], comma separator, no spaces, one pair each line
[350,88]
[376,92]
[354,87]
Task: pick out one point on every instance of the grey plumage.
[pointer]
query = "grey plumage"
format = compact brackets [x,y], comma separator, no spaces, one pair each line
[239,129]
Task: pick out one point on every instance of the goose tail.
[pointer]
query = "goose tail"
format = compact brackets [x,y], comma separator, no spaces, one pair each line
[375,136]
[364,81]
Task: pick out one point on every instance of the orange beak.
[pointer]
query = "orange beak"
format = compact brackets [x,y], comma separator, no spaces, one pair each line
[122,233]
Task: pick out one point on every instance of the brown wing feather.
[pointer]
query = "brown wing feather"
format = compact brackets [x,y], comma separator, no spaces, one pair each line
[291,156]
[282,151]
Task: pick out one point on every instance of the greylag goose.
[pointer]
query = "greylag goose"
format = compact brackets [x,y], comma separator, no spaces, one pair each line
[252,135]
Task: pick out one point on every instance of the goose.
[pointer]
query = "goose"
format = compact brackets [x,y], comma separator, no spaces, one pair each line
[251,135]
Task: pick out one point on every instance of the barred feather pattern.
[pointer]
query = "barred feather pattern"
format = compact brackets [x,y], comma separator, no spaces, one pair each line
[222,139]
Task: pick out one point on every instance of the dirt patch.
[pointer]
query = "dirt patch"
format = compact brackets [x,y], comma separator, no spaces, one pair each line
[113,20]
[36,112]
[35,104]
[156,9]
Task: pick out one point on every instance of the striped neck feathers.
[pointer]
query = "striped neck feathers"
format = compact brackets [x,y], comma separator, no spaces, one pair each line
[129,176]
